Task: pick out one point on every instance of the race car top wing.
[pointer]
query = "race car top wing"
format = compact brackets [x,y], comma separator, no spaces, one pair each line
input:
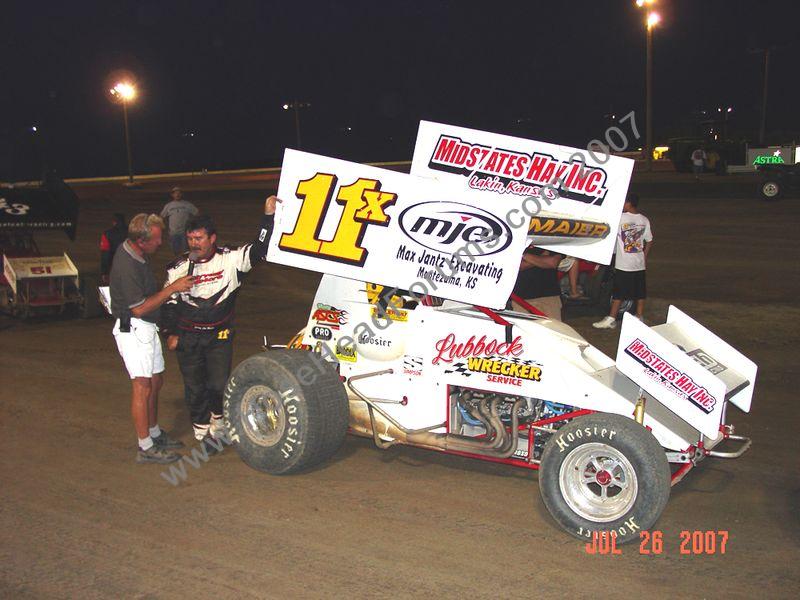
[573,195]
[397,230]
[51,206]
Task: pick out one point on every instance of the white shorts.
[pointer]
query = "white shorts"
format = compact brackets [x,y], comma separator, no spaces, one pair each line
[140,348]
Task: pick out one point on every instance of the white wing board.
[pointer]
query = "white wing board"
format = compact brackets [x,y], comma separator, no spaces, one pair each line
[719,357]
[395,229]
[37,267]
[581,219]
[669,375]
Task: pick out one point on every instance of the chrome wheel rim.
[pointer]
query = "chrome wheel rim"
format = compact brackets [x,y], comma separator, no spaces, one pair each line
[770,189]
[263,415]
[598,482]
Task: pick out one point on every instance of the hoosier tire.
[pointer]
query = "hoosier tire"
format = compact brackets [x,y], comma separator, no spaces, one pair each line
[604,473]
[285,411]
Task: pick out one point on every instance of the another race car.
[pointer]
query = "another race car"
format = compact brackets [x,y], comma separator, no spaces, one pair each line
[32,284]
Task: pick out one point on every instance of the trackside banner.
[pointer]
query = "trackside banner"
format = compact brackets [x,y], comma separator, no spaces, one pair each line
[577,195]
[394,229]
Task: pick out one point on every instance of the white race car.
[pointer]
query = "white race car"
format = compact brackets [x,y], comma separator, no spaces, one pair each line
[609,436]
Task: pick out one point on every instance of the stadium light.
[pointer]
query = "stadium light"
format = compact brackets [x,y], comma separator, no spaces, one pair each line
[296,106]
[125,92]
[651,20]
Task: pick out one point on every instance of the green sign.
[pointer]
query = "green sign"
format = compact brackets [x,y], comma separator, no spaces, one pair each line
[768,160]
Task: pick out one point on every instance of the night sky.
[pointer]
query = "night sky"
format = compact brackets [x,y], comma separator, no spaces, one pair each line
[222,70]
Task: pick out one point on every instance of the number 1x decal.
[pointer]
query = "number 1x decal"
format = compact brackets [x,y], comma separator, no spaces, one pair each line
[364,203]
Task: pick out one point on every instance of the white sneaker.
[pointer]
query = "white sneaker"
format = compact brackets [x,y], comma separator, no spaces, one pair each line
[605,323]
[217,427]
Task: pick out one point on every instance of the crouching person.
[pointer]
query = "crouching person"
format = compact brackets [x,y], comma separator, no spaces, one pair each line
[135,302]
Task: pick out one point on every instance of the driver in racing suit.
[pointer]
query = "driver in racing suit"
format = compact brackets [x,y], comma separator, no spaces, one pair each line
[199,323]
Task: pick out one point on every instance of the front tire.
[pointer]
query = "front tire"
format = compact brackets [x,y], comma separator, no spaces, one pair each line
[604,473]
[285,411]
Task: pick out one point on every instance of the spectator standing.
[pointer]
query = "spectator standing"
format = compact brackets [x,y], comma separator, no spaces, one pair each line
[135,302]
[110,240]
[634,241]
[176,213]
[537,282]
[699,158]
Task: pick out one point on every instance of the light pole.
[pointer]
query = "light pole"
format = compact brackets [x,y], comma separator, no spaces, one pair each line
[763,125]
[651,20]
[124,92]
[296,105]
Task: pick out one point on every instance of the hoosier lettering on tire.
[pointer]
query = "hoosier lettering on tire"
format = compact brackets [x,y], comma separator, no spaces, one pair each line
[285,410]
[604,472]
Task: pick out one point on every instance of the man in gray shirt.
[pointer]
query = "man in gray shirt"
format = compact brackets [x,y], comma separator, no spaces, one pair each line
[176,212]
[136,301]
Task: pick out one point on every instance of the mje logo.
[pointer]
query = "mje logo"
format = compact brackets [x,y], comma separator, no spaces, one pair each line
[445,226]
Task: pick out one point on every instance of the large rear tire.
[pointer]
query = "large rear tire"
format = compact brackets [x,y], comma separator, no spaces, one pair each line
[285,411]
[604,473]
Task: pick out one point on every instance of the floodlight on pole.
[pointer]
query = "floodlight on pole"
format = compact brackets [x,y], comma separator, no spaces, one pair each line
[296,105]
[651,20]
[125,92]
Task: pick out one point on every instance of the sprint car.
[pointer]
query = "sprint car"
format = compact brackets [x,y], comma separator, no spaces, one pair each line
[32,284]
[459,374]
[609,436]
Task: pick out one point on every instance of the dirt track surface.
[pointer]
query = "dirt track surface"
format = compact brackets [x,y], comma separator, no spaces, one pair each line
[78,517]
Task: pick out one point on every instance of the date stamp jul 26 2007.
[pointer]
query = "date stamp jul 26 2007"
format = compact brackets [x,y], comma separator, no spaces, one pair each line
[695,543]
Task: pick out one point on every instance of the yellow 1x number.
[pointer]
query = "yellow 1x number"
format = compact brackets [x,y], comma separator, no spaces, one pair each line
[364,203]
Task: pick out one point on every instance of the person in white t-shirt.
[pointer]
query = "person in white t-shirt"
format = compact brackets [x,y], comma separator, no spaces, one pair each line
[699,158]
[634,241]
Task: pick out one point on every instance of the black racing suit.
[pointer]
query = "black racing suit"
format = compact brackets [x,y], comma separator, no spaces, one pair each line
[202,318]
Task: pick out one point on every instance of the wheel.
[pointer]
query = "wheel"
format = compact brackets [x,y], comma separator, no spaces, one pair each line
[770,189]
[285,410]
[604,473]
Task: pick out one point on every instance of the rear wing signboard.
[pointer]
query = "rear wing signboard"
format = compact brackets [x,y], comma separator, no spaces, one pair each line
[574,197]
[52,206]
[37,267]
[371,224]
